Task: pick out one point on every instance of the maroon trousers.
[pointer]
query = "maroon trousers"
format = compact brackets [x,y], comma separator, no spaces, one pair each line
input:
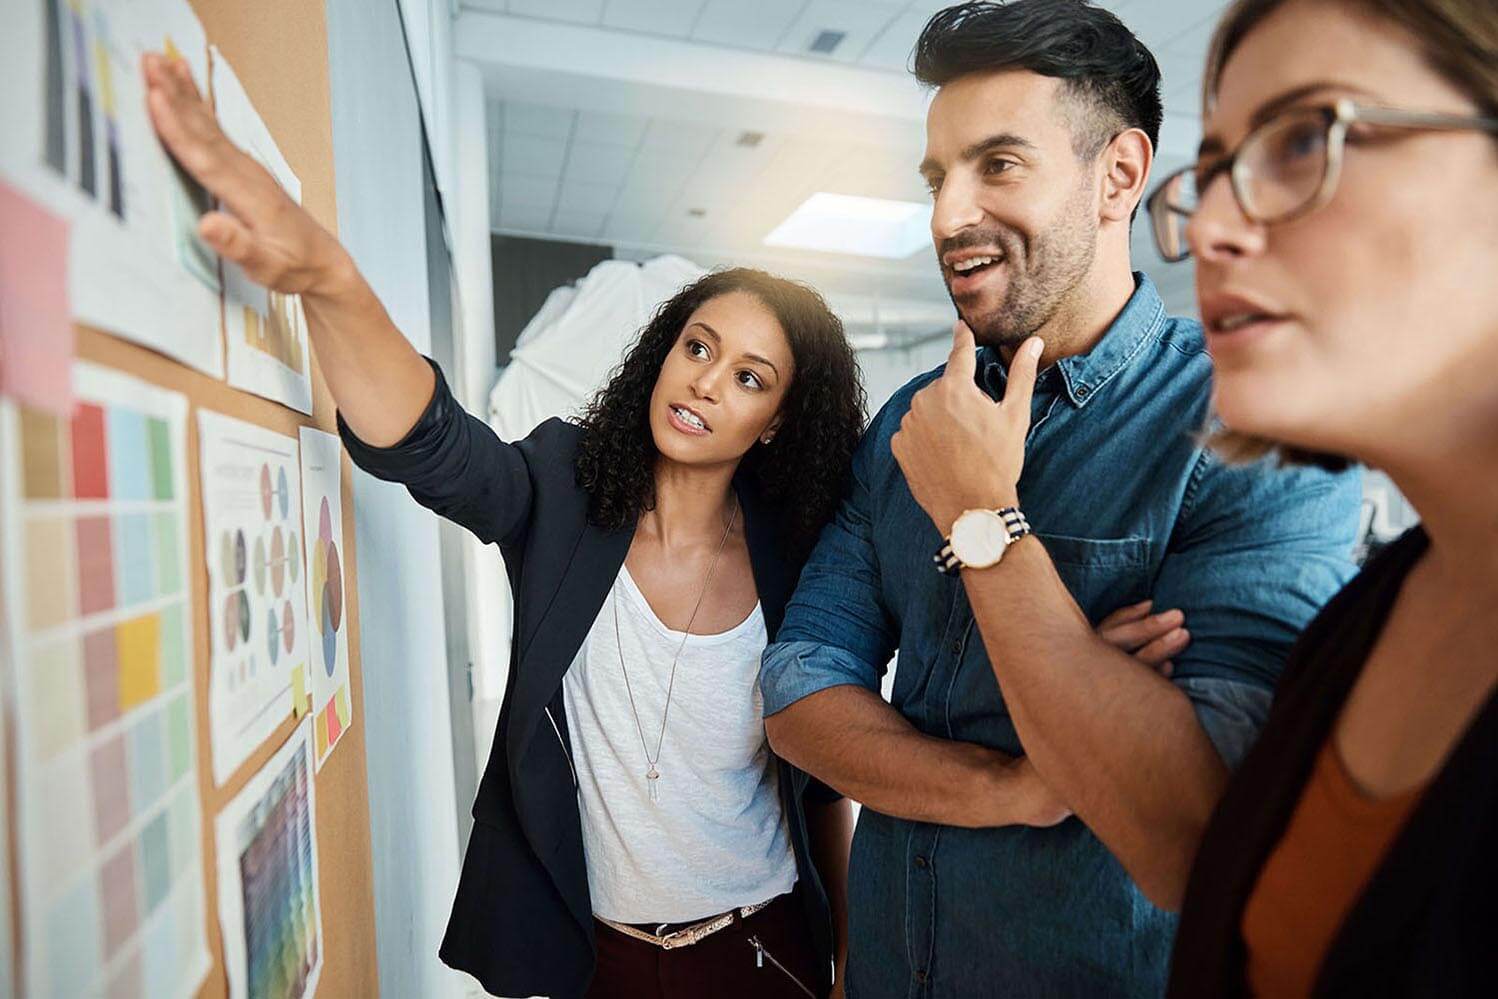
[726,965]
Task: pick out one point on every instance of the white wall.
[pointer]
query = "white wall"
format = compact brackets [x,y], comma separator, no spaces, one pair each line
[377,159]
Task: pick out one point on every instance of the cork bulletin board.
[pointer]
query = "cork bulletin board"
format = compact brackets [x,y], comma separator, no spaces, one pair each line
[279,51]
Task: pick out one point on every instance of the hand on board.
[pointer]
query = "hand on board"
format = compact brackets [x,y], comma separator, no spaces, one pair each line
[257,226]
[1150,638]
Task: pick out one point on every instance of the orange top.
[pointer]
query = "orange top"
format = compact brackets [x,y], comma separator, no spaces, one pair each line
[1336,838]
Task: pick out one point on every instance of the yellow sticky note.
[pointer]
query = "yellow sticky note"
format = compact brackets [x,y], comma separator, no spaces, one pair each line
[301,701]
[138,647]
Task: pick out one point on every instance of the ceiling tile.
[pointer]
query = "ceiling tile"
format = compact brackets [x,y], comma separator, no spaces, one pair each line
[747,25]
[525,217]
[613,129]
[668,172]
[858,21]
[574,11]
[580,197]
[584,225]
[632,227]
[537,119]
[678,140]
[644,199]
[527,193]
[672,18]
[892,48]
[532,156]
[1157,23]
[593,163]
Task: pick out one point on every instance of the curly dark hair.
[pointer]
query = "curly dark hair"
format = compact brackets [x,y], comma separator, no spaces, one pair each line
[1105,67]
[802,473]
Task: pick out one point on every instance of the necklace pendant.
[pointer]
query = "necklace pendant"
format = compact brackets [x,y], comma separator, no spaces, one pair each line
[653,776]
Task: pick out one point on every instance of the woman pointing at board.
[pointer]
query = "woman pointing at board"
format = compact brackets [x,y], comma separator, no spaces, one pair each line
[634,835]
[632,821]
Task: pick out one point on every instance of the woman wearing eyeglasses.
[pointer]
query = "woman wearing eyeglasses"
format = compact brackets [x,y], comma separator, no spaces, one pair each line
[1343,215]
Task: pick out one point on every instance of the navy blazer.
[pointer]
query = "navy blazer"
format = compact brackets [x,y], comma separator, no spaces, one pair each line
[522,922]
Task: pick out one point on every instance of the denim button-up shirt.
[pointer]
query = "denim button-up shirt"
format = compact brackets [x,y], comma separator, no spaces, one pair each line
[1129,505]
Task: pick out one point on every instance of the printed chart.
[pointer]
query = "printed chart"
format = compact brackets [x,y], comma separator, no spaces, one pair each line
[269,906]
[257,598]
[322,506]
[79,141]
[98,638]
[266,331]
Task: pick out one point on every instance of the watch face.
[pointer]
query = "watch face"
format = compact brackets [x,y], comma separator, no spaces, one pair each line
[979,538]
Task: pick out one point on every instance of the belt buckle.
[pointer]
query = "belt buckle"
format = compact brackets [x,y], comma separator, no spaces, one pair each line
[679,938]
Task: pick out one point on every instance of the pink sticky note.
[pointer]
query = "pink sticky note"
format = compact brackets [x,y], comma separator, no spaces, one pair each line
[36,331]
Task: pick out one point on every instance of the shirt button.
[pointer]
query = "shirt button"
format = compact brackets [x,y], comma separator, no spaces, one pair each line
[957,647]
[921,862]
[920,976]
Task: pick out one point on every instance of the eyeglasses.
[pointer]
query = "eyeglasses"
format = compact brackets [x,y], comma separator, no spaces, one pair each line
[1286,168]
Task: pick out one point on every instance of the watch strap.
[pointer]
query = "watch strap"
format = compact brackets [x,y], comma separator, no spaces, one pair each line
[1015,524]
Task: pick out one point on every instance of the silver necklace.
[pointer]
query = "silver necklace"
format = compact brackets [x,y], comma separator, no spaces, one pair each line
[653,774]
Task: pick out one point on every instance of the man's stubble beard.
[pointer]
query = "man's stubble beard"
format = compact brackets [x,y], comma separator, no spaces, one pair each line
[1059,261]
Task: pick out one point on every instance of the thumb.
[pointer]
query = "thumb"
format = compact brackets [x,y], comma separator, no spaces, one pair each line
[232,240]
[1022,370]
[963,361]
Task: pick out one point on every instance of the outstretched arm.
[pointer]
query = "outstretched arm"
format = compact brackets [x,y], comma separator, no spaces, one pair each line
[379,382]
[397,417]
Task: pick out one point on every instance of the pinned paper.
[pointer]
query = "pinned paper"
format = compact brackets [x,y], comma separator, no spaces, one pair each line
[36,334]
[323,519]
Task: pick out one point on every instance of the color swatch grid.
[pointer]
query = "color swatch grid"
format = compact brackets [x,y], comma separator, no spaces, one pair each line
[100,643]
[269,904]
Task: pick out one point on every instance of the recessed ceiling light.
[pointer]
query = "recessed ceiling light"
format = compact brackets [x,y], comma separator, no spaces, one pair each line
[826,41]
[750,139]
[864,227]
[697,213]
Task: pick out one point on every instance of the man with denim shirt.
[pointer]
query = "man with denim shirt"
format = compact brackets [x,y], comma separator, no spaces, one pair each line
[1031,842]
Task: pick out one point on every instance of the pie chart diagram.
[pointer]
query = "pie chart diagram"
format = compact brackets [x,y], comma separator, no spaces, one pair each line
[327,587]
[231,555]
[259,566]
[275,494]
[273,636]
[236,620]
[277,561]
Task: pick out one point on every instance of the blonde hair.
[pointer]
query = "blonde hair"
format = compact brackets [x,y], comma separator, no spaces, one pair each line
[1458,39]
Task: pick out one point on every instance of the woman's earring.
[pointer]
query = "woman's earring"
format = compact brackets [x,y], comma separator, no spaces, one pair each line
[767,438]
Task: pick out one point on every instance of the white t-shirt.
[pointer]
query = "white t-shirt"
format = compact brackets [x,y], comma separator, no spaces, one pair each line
[717,837]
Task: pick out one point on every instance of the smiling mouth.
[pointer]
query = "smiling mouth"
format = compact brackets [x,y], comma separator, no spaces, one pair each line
[690,419]
[975,264]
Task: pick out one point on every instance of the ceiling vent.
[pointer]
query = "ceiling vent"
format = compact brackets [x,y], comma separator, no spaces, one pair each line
[749,140]
[826,41]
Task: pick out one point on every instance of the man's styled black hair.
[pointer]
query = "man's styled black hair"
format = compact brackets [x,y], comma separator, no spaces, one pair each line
[1111,76]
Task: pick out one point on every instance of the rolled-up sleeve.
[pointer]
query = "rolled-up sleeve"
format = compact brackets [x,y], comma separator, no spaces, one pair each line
[837,630]
[454,465]
[1256,553]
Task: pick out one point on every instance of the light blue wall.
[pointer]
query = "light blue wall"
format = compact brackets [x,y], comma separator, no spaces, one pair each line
[377,159]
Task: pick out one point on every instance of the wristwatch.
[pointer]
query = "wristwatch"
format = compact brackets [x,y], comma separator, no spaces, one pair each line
[979,539]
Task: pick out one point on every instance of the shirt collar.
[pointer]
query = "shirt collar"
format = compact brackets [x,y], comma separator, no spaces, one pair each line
[1081,375]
